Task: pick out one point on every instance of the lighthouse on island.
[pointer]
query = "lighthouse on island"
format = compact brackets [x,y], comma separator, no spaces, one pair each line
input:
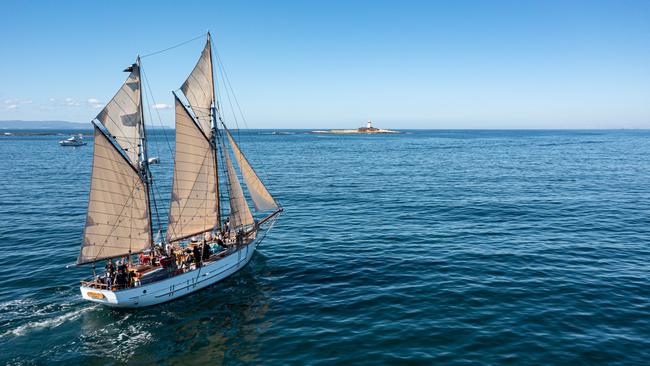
[368,128]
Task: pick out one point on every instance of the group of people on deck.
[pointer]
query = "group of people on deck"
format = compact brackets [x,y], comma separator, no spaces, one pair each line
[124,274]
[196,254]
[118,274]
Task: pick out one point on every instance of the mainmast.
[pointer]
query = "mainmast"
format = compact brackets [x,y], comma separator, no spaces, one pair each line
[194,207]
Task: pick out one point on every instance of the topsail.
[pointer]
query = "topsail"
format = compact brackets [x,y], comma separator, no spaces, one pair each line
[199,89]
[122,117]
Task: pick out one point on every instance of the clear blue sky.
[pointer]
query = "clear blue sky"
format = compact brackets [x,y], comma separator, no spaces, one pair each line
[309,64]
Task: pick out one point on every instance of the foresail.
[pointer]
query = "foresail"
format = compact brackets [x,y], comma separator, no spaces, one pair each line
[194,204]
[121,116]
[117,222]
[199,89]
[240,213]
[262,199]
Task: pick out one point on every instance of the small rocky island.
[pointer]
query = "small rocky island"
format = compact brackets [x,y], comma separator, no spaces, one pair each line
[361,130]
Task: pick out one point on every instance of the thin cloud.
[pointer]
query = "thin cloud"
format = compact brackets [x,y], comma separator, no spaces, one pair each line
[12,101]
[161,106]
[95,103]
[69,102]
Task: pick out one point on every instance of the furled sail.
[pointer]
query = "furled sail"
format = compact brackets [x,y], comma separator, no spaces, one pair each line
[199,89]
[194,205]
[118,221]
[122,118]
[262,199]
[240,213]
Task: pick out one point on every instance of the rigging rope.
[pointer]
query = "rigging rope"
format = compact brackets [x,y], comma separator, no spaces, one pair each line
[174,46]
[153,191]
[228,91]
[163,127]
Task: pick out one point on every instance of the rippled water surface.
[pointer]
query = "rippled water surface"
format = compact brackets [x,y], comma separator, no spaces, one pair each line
[455,247]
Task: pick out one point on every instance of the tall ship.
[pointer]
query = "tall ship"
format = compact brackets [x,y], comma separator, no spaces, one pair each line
[211,231]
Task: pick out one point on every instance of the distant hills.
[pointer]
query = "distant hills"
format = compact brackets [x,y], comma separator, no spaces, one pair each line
[37,125]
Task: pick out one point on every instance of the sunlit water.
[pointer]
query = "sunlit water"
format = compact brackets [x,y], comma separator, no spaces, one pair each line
[452,247]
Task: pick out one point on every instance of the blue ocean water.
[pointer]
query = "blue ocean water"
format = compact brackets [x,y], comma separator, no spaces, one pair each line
[454,247]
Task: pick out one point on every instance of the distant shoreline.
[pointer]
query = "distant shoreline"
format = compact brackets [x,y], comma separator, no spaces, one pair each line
[22,134]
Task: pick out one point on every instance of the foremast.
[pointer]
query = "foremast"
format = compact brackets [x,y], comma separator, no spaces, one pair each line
[144,157]
[118,220]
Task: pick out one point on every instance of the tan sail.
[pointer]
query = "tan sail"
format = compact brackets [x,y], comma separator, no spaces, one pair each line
[118,219]
[194,204]
[262,199]
[122,118]
[199,89]
[240,213]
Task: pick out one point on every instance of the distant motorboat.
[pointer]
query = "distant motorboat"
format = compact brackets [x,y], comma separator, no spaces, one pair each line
[74,140]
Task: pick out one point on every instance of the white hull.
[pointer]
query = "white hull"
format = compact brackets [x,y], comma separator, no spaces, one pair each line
[173,287]
[64,143]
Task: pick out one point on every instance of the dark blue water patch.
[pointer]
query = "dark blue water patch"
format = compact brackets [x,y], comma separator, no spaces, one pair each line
[454,247]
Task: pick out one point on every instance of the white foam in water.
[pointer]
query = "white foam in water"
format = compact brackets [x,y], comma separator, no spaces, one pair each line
[8,305]
[120,341]
[48,323]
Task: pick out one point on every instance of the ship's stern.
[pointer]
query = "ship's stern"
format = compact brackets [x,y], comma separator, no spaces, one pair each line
[104,297]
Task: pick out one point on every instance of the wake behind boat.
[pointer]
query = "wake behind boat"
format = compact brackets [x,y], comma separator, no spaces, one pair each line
[198,250]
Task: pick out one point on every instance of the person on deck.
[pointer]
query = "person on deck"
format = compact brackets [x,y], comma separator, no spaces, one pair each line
[122,266]
[188,261]
[144,259]
[120,279]
[226,224]
[129,279]
[110,268]
[206,251]
[109,280]
[220,241]
[196,253]
[240,237]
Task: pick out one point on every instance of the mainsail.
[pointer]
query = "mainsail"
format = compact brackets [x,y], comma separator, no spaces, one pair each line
[262,199]
[194,206]
[118,220]
[240,213]
[195,193]
[199,89]
[122,117]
